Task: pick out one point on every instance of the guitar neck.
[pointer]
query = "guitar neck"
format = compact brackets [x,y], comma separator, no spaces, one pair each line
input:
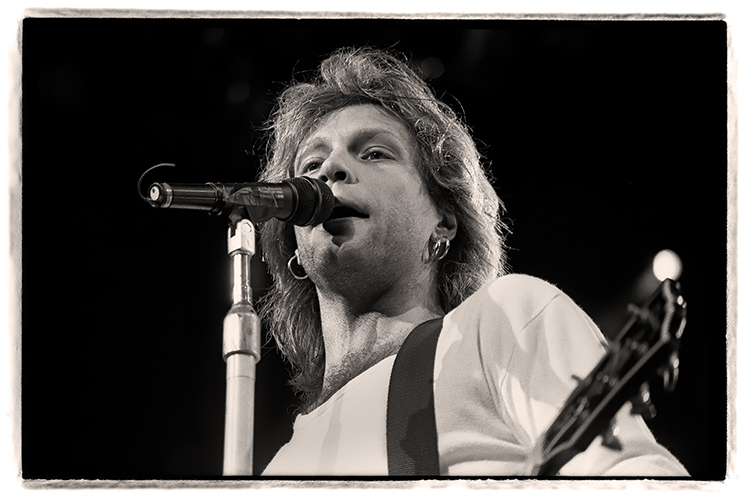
[646,345]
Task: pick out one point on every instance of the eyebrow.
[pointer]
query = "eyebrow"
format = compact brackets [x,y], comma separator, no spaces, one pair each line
[374,133]
[366,134]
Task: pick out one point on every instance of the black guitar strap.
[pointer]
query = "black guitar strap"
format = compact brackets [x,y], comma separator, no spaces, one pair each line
[410,417]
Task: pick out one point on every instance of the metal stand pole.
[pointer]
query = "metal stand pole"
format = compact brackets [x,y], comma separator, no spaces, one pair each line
[241,350]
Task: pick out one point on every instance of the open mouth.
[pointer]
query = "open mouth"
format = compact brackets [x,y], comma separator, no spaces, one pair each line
[341,223]
[342,212]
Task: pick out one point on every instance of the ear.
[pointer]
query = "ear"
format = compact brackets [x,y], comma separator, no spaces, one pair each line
[447,225]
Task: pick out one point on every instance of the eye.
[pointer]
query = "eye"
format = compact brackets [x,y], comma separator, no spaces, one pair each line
[375,154]
[310,166]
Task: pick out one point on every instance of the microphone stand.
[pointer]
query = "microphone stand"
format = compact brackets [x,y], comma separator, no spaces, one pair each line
[241,350]
[241,336]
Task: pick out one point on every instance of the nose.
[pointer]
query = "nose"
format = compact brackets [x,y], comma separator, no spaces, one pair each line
[336,169]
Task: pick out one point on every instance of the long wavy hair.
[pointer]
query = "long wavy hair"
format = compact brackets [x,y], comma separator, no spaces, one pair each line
[450,166]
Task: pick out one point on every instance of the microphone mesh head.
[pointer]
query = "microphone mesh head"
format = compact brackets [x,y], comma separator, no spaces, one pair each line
[314,201]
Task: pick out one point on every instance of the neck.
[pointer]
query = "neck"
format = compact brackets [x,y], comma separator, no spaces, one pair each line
[355,341]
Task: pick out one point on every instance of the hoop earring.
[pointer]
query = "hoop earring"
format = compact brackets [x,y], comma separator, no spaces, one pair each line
[289,266]
[435,250]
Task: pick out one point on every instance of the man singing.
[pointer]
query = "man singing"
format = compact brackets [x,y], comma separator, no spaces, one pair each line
[416,235]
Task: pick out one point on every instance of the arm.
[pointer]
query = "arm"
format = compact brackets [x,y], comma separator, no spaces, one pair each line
[552,348]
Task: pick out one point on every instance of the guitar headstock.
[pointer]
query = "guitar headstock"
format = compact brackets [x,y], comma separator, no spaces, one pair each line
[647,344]
[666,309]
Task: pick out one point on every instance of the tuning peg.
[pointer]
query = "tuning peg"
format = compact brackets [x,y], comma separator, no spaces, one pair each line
[670,371]
[610,439]
[642,404]
[637,311]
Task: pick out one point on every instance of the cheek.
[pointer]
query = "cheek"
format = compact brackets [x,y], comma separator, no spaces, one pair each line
[422,208]
[301,235]
[410,191]
[417,216]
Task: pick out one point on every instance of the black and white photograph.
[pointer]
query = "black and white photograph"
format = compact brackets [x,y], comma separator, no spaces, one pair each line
[267,248]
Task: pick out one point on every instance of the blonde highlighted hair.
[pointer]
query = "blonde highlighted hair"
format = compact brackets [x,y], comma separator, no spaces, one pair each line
[450,167]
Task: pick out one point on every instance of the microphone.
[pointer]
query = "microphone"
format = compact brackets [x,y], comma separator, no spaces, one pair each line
[302,201]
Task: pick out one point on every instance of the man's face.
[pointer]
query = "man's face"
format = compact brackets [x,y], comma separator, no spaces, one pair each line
[384,216]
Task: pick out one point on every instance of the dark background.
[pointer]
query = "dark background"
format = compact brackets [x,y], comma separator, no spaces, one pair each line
[607,141]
